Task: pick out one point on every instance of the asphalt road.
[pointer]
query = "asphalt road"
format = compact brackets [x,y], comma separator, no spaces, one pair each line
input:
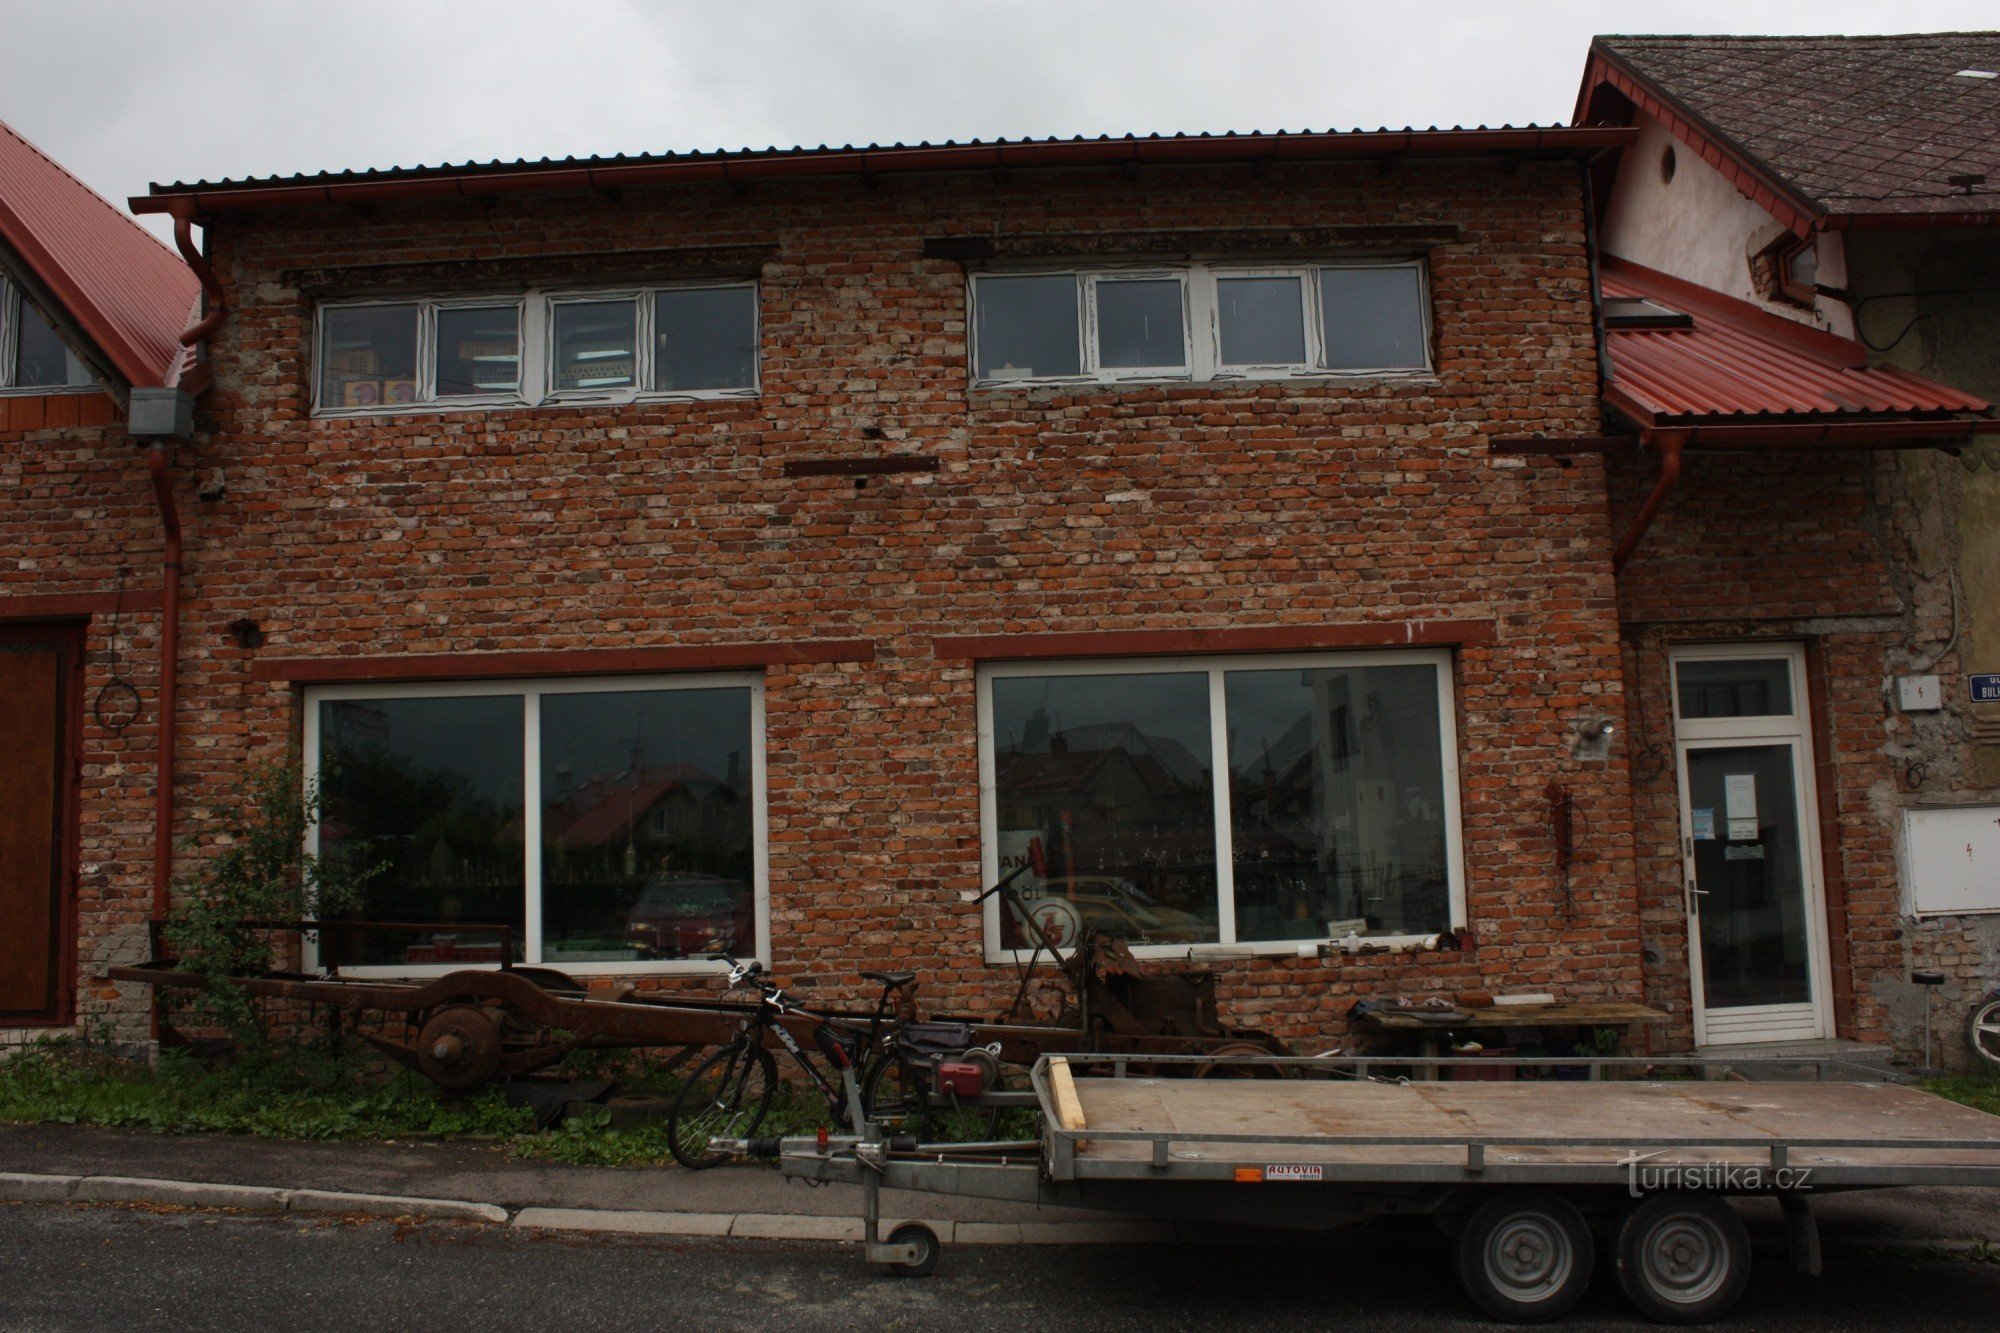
[130,1268]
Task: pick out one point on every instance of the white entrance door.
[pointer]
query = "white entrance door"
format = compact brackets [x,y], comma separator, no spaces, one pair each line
[1751,885]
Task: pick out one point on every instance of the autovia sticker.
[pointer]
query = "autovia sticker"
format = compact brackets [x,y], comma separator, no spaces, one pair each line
[1292,1172]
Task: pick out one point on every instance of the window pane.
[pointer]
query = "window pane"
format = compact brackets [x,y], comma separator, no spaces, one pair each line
[1373,319]
[648,849]
[705,338]
[430,789]
[1262,321]
[594,345]
[1027,327]
[1139,324]
[369,356]
[1337,802]
[40,359]
[478,351]
[1741,687]
[1112,775]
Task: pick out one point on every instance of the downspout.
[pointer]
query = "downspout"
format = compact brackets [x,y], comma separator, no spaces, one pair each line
[1669,443]
[170,642]
[215,310]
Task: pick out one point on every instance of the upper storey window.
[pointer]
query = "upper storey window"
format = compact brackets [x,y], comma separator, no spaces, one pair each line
[626,345]
[32,356]
[1199,322]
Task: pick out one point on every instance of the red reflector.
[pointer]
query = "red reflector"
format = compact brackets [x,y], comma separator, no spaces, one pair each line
[961,1078]
[822,1138]
[1249,1175]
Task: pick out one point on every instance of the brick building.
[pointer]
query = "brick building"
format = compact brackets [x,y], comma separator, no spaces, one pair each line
[760,549]
[1803,228]
[90,306]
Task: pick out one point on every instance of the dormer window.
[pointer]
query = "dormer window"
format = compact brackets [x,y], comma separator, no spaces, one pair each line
[33,357]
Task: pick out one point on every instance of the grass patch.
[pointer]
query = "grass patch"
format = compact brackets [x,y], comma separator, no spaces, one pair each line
[1979,1091]
[292,1094]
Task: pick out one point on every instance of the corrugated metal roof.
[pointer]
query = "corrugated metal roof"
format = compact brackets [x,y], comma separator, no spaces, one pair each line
[1740,363]
[964,155]
[128,293]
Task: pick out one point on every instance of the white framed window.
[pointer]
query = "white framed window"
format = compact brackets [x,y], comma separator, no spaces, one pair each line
[615,345]
[1269,802]
[33,357]
[1207,321]
[615,825]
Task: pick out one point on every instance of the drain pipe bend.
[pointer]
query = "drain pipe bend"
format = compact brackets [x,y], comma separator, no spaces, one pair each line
[217,309]
[1669,443]
[170,642]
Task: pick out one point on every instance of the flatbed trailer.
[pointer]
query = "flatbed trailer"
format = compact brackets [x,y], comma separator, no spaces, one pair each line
[1528,1176]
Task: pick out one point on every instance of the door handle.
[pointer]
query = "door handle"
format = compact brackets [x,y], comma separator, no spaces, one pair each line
[1694,897]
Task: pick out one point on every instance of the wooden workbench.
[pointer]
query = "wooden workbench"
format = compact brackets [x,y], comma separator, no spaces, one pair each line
[1431,1025]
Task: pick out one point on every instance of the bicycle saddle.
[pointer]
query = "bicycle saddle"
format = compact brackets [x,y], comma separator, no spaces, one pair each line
[893,980]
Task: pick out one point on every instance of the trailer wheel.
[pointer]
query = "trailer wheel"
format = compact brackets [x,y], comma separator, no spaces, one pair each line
[1525,1256]
[927,1243]
[1682,1258]
[1982,1031]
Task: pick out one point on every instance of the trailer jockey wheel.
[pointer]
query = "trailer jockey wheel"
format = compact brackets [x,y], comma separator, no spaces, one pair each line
[459,1048]
[1682,1258]
[1525,1256]
[926,1241]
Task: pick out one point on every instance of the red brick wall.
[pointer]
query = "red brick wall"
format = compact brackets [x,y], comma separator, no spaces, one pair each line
[77,509]
[1787,547]
[1239,505]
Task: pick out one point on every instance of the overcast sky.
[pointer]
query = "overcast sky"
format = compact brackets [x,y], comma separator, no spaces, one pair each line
[125,92]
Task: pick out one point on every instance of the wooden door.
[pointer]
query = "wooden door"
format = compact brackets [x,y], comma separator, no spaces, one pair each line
[37,702]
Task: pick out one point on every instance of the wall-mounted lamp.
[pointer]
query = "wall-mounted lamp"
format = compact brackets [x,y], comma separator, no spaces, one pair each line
[1592,738]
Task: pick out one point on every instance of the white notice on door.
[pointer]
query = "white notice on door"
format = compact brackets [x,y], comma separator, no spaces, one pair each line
[1739,798]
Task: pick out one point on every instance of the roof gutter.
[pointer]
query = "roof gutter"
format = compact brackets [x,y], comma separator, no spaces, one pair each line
[738,169]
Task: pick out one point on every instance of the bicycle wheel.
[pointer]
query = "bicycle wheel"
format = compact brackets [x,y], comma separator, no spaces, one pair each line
[725,1097]
[894,1097]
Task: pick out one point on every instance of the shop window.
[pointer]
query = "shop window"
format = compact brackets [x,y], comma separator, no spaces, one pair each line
[1199,322]
[33,356]
[612,826]
[1262,802]
[689,341]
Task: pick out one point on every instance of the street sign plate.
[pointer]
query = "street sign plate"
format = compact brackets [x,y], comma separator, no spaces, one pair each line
[1986,689]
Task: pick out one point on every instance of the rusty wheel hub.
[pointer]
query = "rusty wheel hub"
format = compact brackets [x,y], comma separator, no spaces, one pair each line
[459,1048]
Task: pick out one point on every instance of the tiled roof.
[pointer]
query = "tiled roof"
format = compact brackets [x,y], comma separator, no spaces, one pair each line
[126,291]
[1852,125]
[1739,363]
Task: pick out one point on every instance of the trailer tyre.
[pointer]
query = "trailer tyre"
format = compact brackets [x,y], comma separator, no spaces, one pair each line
[725,1097]
[927,1243]
[1525,1256]
[1682,1258]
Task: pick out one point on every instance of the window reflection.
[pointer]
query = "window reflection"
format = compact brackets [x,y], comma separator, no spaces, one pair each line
[1337,802]
[369,356]
[430,790]
[647,836]
[1112,775]
[596,344]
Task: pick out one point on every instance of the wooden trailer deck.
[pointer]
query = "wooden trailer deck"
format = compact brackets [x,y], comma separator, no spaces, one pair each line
[1844,1133]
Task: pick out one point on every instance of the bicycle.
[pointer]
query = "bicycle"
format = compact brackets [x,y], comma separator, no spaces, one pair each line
[729,1093]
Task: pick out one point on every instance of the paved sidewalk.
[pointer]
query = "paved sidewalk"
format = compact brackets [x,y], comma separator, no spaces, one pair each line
[483,1182]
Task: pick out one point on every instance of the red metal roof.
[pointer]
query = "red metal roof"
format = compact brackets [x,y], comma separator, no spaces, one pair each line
[125,290]
[744,164]
[1739,363]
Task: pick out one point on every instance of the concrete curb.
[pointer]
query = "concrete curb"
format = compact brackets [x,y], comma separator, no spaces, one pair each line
[19,1187]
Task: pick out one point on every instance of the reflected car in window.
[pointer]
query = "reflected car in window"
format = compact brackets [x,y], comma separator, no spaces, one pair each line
[691,916]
